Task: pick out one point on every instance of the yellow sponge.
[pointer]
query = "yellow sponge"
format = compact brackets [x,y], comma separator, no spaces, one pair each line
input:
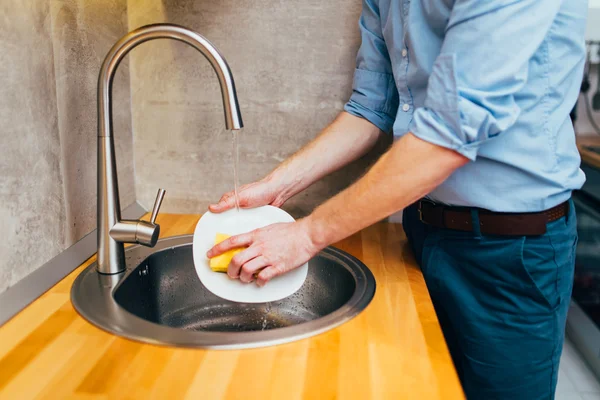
[221,262]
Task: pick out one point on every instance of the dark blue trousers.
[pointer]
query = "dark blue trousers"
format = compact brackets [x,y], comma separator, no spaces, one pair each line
[501,301]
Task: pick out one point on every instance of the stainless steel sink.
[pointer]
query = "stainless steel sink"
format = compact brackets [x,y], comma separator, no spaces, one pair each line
[152,294]
[159,299]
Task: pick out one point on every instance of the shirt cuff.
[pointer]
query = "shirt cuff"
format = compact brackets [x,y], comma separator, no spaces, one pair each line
[380,120]
[374,98]
[428,126]
[441,121]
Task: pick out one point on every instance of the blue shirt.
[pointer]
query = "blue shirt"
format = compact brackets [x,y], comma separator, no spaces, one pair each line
[494,80]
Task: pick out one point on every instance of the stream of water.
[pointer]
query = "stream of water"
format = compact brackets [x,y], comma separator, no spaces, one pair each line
[236,166]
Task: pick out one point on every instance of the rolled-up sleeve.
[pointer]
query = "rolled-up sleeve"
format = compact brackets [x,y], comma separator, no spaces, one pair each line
[483,65]
[374,95]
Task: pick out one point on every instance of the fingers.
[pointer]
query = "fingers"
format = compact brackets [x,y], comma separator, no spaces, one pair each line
[267,274]
[240,259]
[226,202]
[233,242]
[251,267]
[250,196]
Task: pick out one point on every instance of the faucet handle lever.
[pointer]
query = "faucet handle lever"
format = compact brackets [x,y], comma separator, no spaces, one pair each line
[159,198]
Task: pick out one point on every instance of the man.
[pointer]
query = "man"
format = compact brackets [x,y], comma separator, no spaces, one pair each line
[478,94]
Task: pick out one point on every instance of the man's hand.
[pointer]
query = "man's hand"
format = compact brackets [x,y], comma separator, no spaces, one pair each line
[271,251]
[345,140]
[261,193]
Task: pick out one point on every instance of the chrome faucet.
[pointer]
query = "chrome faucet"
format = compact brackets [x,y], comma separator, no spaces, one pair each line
[113,232]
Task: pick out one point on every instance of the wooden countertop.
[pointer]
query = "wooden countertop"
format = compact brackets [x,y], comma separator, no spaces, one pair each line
[392,350]
[588,156]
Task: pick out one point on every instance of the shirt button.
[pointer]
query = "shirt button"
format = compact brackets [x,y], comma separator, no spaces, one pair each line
[404,52]
[405,107]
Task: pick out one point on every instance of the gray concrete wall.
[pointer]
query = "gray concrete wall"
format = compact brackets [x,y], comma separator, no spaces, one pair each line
[293,64]
[50,54]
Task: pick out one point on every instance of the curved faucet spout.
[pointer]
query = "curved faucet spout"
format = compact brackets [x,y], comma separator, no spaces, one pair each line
[112,231]
[233,118]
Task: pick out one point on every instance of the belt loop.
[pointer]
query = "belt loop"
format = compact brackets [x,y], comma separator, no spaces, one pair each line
[475,222]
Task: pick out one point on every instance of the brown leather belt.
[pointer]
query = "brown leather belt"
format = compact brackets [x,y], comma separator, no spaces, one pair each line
[490,223]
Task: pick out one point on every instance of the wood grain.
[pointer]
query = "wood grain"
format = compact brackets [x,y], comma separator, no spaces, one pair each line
[393,350]
[588,156]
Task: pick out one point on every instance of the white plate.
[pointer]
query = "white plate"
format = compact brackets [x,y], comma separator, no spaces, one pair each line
[233,222]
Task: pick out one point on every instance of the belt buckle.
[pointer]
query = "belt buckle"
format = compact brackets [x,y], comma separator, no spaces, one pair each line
[420,208]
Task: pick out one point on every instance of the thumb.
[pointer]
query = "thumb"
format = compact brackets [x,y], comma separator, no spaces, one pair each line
[226,202]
